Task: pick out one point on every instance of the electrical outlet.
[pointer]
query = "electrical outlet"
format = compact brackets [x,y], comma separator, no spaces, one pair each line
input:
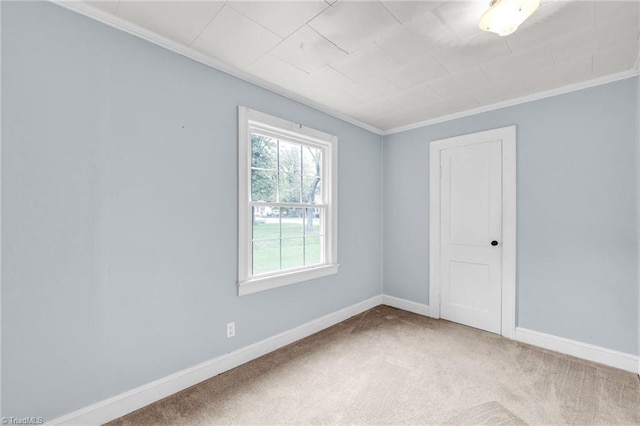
[231,329]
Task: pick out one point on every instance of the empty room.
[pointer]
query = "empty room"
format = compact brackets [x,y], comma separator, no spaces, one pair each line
[319,212]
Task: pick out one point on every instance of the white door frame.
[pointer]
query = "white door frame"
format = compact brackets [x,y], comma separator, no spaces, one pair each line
[508,137]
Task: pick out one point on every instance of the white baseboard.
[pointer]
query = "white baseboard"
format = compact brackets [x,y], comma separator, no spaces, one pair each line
[586,351]
[406,305]
[621,360]
[134,399]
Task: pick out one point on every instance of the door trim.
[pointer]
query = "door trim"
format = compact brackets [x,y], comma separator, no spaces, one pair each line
[508,137]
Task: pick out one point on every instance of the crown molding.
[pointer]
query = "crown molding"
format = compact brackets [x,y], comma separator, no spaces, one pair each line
[152,37]
[116,22]
[529,98]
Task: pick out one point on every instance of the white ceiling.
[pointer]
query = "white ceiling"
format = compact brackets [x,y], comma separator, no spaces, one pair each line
[394,63]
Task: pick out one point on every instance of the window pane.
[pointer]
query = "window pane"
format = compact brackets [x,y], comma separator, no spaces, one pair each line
[263,185]
[266,223]
[292,253]
[289,199]
[289,188]
[266,256]
[293,223]
[312,221]
[312,250]
[264,152]
[311,190]
[290,157]
[311,161]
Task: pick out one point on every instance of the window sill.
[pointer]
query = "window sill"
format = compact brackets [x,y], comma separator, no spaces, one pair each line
[265,283]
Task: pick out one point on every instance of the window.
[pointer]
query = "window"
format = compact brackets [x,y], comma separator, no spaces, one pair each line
[287,202]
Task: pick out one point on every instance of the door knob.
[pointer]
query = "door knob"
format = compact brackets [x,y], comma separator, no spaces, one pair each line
[494,243]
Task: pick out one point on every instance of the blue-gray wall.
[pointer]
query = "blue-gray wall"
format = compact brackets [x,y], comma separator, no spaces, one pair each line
[637,117]
[577,252]
[119,213]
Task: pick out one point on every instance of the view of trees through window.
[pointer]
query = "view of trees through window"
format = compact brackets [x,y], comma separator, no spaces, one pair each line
[287,204]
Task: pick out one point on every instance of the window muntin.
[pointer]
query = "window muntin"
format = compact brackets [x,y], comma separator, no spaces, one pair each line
[286,198]
[287,202]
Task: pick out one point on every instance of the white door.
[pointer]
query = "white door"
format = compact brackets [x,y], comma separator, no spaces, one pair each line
[471,233]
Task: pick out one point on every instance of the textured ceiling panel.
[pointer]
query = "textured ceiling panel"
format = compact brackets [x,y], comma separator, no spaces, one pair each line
[459,82]
[416,97]
[553,19]
[417,73]
[276,71]
[308,50]
[462,16]
[366,63]
[613,60]
[499,91]
[352,24]
[607,10]
[519,63]
[281,17]
[406,44]
[479,48]
[559,74]
[407,11]
[393,63]
[180,21]
[233,38]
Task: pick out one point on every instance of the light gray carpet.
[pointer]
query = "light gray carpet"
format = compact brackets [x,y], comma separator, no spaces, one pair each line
[387,366]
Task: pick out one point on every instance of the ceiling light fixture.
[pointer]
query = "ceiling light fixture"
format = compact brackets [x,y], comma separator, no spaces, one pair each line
[505,16]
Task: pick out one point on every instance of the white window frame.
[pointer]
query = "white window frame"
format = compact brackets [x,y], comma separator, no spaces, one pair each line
[249,120]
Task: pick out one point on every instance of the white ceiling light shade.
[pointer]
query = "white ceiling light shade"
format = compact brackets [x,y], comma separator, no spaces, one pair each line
[505,16]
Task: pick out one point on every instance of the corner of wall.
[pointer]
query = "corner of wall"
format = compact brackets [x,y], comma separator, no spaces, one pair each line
[638,199]
[381,214]
[0,208]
